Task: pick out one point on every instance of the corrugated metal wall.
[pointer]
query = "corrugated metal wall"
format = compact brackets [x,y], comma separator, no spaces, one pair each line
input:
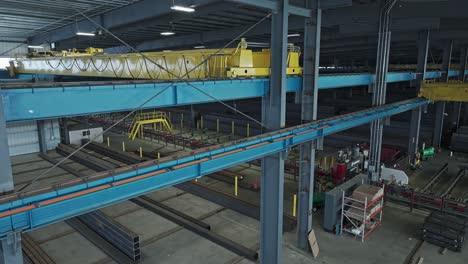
[11,48]
[23,137]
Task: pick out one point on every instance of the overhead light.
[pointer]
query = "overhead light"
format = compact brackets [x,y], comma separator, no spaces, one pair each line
[35,47]
[199,47]
[182,8]
[167,33]
[166,50]
[85,34]
[294,35]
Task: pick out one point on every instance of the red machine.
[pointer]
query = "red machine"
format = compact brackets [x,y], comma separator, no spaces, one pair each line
[339,172]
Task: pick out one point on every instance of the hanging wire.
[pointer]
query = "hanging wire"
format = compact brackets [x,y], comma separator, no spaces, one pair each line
[138,108]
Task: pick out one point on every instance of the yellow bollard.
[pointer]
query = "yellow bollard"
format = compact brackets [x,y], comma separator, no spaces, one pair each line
[248,129]
[159,155]
[169,114]
[332,162]
[235,186]
[123,146]
[141,152]
[232,127]
[217,125]
[201,122]
[294,204]
[325,163]
[108,141]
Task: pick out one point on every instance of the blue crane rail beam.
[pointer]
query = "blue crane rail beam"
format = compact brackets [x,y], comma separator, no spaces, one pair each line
[40,207]
[32,103]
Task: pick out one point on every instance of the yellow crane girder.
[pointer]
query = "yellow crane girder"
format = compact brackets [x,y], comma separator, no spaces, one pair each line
[450,91]
[187,64]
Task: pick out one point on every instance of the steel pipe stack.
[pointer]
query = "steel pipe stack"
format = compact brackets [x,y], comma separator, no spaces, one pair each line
[445,230]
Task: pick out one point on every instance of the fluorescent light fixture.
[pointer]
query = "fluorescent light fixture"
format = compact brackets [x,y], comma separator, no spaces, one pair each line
[182,8]
[35,47]
[166,50]
[85,34]
[199,47]
[294,35]
[167,33]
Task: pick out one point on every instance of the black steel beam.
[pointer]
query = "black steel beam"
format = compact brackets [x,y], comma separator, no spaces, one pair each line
[92,236]
[457,178]
[83,158]
[119,236]
[178,213]
[241,250]
[32,253]
[122,157]
[231,202]
[436,177]
[62,166]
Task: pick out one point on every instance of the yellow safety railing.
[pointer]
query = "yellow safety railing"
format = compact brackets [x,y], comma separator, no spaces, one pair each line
[158,119]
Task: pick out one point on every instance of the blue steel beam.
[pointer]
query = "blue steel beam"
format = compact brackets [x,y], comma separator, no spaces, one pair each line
[41,207]
[54,102]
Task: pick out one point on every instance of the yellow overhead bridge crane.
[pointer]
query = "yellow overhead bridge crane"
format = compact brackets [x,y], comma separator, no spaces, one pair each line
[228,63]
[453,91]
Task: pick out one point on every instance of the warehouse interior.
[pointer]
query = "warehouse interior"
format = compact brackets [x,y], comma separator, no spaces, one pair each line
[233,131]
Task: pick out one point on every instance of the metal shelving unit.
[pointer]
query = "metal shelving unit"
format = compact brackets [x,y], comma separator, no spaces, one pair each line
[362,216]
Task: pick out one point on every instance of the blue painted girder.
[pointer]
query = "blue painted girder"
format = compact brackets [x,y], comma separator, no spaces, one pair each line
[46,206]
[54,102]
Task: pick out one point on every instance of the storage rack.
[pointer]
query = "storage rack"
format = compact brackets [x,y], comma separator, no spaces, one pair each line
[361,215]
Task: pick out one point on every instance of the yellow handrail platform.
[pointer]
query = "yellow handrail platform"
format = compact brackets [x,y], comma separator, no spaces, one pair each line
[149,118]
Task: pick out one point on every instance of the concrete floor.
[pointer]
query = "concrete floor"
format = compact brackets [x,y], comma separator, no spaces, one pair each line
[421,177]
[165,242]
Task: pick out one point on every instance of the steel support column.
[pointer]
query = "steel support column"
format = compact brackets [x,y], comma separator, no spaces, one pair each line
[440,106]
[463,58]
[415,125]
[439,123]
[11,252]
[42,139]
[309,113]
[272,181]
[461,77]
[380,88]
[414,129]
[6,175]
[455,116]
[423,50]
[447,60]
[64,131]
[465,114]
